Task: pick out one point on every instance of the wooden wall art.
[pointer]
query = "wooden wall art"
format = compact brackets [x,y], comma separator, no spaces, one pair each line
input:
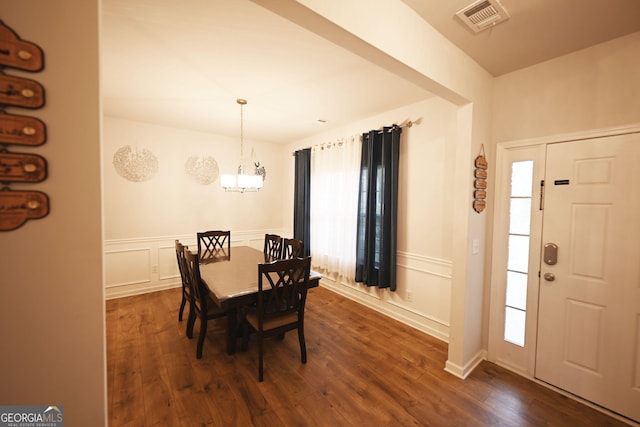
[17,53]
[16,207]
[19,206]
[22,167]
[480,183]
[22,130]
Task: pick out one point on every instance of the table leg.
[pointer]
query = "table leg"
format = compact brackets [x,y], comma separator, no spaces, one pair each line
[232,330]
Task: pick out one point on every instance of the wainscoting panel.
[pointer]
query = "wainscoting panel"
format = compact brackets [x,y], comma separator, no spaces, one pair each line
[167,263]
[422,298]
[137,266]
[126,267]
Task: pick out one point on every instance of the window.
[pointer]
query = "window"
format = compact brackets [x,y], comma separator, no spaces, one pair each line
[518,251]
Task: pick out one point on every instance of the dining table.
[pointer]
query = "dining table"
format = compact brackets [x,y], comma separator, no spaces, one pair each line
[232,282]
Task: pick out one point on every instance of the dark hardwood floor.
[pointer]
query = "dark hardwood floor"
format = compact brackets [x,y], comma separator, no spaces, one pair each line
[363,369]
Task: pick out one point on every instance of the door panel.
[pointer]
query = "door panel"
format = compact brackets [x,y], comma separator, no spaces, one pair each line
[588,321]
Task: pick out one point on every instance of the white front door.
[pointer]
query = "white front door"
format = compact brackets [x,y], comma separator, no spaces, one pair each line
[588,340]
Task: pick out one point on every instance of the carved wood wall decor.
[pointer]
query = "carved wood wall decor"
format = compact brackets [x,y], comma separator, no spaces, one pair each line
[22,130]
[22,167]
[16,207]
[480,183]
[21,92]
[19,54]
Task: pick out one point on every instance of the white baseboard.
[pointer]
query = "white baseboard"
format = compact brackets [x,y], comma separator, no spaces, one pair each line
[421,322]
[463,372]
[113,293]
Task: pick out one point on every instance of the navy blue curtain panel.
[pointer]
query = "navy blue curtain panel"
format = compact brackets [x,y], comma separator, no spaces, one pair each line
[302,199]
[376,244]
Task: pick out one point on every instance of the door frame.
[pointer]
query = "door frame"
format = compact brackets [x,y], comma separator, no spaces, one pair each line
[522,361]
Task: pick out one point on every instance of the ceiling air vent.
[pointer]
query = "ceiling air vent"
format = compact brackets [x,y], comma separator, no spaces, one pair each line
[483,14]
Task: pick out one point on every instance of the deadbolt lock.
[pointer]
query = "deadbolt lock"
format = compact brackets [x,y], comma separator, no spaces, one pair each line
[550,254]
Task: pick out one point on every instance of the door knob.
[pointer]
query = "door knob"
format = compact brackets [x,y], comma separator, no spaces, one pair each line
[549,277]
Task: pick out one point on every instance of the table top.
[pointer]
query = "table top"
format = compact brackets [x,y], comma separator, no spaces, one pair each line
[238,276]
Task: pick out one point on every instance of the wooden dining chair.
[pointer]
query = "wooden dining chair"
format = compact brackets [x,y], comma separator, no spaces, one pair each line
[202,306]
[214,245]
[186,293]
[292,248]
[282,294]
[272,247]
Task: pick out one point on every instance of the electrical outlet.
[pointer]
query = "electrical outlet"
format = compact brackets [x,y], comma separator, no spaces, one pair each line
[409,296]
[154,268]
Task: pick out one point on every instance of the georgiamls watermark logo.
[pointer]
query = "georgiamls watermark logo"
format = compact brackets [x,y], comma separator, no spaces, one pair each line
[31,416]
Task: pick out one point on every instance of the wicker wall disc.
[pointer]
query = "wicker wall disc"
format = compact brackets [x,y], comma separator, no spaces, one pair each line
[204,170]
[135,165]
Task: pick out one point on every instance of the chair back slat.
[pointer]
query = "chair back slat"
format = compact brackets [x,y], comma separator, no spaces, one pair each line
[214,245]
[272,247]
[292,248]
[198,290]
[282,287]
[180,248]
[186,292]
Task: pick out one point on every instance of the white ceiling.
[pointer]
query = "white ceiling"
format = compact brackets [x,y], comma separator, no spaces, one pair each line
[184,63]
[536,31]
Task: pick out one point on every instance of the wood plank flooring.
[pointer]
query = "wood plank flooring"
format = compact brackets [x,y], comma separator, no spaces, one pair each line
[363,369]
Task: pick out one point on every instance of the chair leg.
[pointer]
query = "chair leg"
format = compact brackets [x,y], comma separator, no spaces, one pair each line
[303,345]
[191,319]
[182,304]
[260,357]
[201,337]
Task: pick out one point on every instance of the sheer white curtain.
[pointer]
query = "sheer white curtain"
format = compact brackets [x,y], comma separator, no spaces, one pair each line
[335,172]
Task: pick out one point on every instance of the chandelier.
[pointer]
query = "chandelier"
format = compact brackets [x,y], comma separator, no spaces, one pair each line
[241,182]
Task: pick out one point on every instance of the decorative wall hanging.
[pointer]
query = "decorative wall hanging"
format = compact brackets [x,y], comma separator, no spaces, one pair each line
[22,130]
[22,167]
[16,207]
[17,53]
[204,170]
[480,183]
[135,165]
[21,92]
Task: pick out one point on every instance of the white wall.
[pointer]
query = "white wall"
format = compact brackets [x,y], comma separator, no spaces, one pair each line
[594,88]
[51,294]
[172,202]
[427,156]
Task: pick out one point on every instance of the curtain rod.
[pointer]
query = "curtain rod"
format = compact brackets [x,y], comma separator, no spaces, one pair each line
[405,124]
[339,142]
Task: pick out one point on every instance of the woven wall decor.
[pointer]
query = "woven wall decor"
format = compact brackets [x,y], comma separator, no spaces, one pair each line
[135,164]
[204,170]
